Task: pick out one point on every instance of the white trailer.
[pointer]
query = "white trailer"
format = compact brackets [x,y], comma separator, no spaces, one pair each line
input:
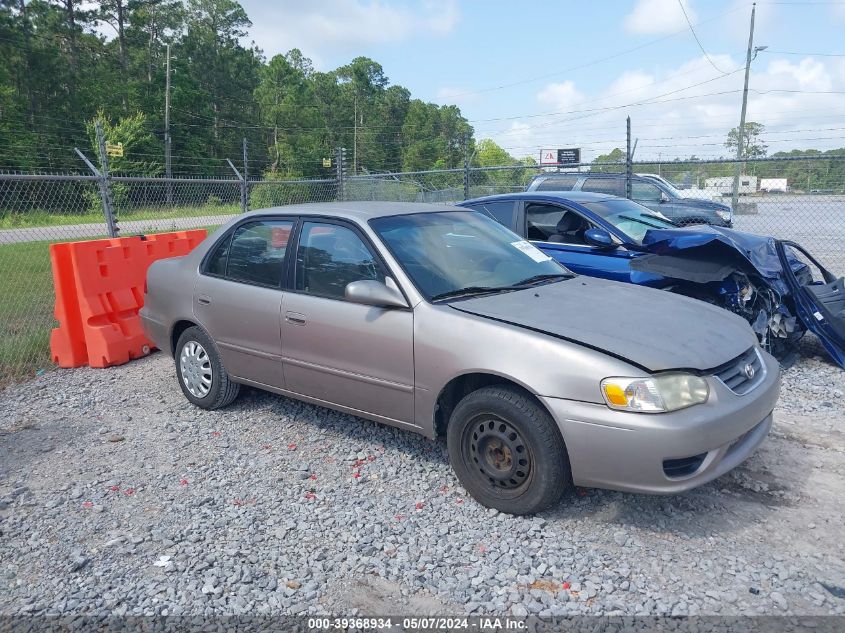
[773,185]
[724,185]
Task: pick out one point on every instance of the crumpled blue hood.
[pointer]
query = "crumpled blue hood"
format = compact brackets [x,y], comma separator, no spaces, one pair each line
[757,250]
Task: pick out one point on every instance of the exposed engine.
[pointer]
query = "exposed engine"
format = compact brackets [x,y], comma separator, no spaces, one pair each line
[760,305]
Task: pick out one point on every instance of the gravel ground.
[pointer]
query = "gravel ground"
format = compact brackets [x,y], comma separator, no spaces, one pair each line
[117,496]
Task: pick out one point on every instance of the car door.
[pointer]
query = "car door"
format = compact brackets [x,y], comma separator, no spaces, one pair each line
[541,221]
[336,351]
[238,298]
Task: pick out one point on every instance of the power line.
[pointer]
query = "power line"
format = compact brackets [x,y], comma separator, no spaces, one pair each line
[803,54]
[698,41]
[590,63]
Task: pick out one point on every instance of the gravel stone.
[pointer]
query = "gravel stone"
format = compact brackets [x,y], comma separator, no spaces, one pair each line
[256,509]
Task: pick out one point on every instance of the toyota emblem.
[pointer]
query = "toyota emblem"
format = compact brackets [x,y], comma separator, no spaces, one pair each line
[749,371]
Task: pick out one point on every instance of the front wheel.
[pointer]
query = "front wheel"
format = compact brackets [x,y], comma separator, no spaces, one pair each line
[507,451]
[201,373]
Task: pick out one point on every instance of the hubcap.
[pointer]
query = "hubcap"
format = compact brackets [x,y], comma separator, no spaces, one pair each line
[498,453]
[195,367]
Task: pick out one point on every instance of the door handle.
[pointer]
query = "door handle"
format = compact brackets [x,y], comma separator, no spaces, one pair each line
[295,317]
[204,299]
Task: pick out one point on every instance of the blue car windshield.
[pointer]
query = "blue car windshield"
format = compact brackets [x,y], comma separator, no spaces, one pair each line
[458,254]
[630,218]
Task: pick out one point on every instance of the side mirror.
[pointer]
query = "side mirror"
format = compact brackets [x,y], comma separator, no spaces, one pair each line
[599,237]
[663,198]
[374,293]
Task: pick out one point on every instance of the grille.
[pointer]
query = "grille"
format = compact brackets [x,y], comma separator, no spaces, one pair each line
[735,375]
[684,466]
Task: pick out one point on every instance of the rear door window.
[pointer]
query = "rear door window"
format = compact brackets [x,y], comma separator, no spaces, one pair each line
[558,183]
[612,186]
[254,254]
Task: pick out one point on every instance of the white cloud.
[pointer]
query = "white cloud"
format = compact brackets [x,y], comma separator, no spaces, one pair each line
[560,96]
[321,29]
[678,120]
[658,17]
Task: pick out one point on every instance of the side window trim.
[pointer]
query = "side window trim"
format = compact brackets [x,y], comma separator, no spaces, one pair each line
[229,235]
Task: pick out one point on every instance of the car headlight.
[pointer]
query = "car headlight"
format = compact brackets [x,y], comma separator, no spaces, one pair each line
[658,394]
[725,215]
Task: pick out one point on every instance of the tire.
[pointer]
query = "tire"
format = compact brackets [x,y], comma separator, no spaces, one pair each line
[507,452]
[201,373]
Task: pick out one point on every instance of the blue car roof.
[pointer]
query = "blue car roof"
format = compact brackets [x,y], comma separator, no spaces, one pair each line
[550,196]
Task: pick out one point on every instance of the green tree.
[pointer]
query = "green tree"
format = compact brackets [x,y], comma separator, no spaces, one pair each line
[616,155]
[752,143]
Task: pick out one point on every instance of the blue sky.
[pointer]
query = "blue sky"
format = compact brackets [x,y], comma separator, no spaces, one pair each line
[564,74]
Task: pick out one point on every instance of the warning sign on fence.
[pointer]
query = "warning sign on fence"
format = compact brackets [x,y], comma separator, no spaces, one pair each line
[114,149]
[569,156]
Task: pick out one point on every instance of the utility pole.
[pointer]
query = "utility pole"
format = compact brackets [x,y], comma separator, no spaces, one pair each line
[741,135]
[168,170]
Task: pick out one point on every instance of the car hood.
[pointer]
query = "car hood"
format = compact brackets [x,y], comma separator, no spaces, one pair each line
[719,245]
[650,328]
[700,203]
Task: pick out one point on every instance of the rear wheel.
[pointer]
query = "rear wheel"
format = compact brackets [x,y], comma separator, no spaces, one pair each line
[200,371]
[507,451]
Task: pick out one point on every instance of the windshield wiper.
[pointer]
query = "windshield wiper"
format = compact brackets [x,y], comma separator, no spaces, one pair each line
[538,278]
[469,291]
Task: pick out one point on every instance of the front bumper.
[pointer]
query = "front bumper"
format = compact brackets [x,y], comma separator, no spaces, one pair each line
[628,451]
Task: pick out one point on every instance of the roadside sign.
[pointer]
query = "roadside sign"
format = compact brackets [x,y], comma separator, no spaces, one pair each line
[327,162]
[569,156]
[114,149]
[548,157]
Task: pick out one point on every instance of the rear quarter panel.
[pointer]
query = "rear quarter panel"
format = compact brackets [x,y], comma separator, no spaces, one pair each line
[169,294]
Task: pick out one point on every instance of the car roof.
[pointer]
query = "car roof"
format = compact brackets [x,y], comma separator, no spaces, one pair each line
[357,210]
[570,196]
[586,174]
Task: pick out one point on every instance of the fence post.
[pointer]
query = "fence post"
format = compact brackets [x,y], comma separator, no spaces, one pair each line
[105,193]
[245,184]
[629,167]
[241,179]
[340,173]
[466,166]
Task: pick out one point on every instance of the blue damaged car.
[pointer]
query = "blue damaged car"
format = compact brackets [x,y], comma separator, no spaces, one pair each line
[768,282]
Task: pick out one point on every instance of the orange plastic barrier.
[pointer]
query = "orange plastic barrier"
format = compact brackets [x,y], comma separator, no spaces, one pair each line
[99,290]
[67,342]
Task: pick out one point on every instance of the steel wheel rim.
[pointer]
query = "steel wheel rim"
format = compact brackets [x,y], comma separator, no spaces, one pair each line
[498,455]
[195,367]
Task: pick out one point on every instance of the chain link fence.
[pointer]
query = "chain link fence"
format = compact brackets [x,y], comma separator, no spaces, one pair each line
[802,199]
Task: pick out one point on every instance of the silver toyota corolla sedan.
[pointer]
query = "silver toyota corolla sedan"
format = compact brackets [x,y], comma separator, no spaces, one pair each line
[441,321]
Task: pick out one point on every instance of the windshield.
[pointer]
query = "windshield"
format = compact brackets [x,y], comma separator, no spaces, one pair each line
[463,253]
[630,218]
